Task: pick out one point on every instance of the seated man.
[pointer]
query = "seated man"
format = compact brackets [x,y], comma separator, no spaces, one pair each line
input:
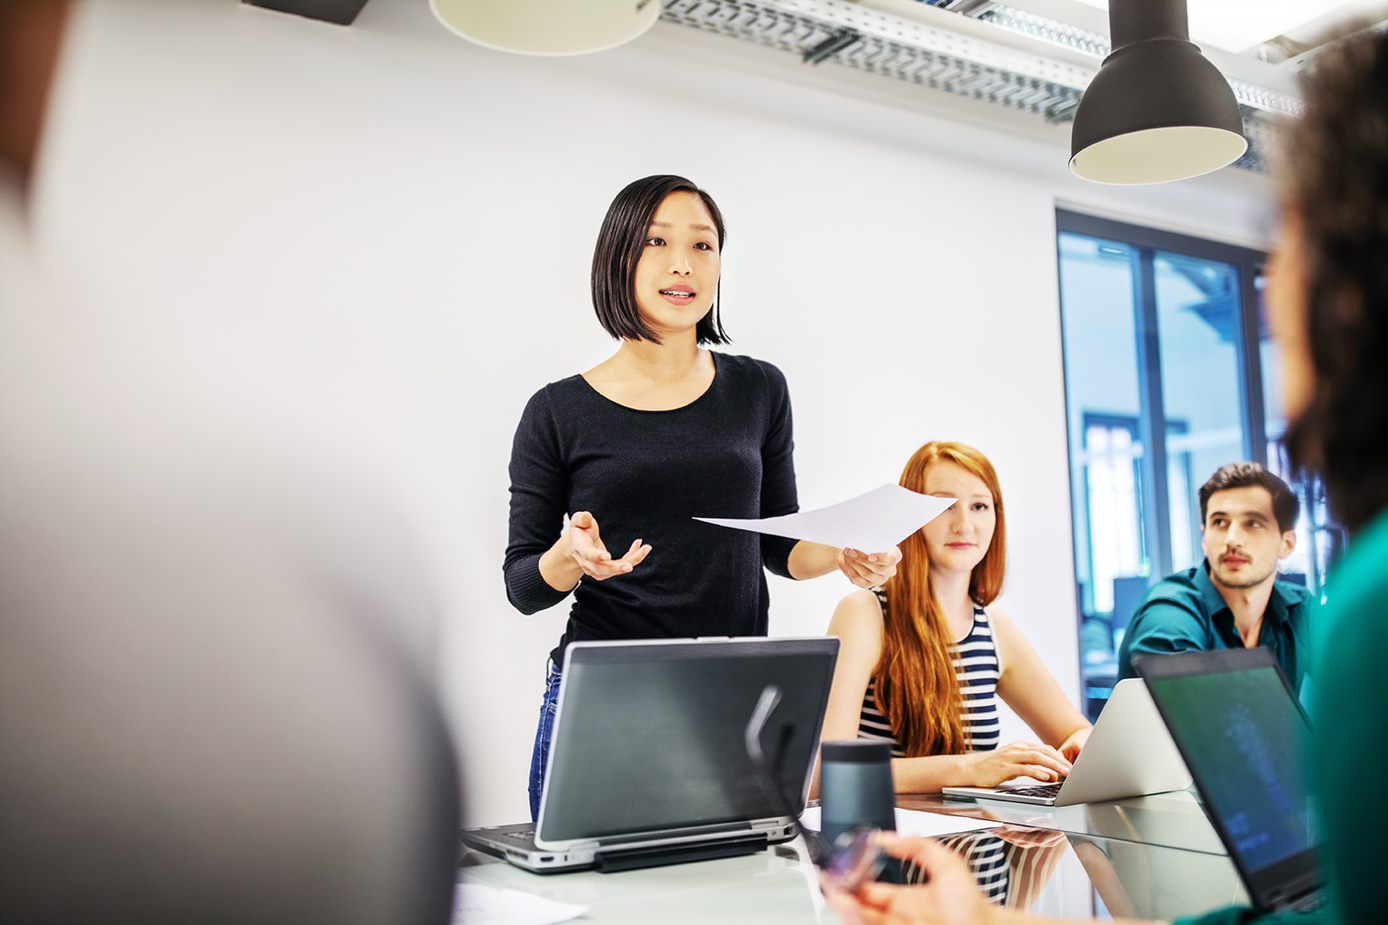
[1233,598]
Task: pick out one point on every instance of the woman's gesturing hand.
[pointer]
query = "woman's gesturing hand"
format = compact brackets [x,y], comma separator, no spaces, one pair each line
[868,570]
[1019,759]
[588,552]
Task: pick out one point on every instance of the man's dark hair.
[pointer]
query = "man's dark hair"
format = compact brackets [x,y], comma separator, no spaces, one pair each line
[620,244]
[1285,506]
[1335,187]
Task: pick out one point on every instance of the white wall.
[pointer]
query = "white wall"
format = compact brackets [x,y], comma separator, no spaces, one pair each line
[377,239]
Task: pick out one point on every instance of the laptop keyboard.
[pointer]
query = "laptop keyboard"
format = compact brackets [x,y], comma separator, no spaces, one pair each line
[1041,790]
[522,837]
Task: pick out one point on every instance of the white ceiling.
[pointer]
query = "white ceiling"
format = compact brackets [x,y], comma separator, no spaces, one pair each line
[1240,25]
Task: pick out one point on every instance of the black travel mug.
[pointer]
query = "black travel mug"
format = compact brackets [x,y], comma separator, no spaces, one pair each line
[855,787]
[856,791]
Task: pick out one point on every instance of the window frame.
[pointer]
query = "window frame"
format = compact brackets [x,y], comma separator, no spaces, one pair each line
[1145,243]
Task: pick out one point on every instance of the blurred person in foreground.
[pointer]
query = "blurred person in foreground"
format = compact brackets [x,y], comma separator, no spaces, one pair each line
[209,710]
[1328,304]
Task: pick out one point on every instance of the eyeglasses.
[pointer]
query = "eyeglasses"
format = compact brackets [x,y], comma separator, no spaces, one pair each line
[854,858]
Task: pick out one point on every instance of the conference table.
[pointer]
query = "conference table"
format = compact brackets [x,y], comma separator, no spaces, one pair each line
[1153,857]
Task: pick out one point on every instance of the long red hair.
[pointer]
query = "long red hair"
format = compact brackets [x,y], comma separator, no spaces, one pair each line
[915,685]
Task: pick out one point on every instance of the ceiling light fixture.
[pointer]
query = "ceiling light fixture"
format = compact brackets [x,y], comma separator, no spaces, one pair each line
[1157,110]
[548,27]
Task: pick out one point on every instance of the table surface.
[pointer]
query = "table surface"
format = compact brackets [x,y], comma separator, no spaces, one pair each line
[1169,820]
[1153,857]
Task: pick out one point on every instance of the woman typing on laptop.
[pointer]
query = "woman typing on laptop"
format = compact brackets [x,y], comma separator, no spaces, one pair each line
[661,432]
[924,658]
[1327,303]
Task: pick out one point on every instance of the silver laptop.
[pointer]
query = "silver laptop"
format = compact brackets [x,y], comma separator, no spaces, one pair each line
[648,763]
[1129,754]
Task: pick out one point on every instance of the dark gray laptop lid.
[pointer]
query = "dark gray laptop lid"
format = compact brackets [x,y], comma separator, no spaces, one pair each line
[649,735]
[1245,738]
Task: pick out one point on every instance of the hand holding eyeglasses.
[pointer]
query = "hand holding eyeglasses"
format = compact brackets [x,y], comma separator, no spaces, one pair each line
[947,895]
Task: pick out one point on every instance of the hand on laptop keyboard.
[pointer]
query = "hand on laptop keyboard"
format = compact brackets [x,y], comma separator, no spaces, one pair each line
[1019,759]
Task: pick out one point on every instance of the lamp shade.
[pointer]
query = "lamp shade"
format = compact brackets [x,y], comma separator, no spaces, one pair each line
[548,27]
[1157,111]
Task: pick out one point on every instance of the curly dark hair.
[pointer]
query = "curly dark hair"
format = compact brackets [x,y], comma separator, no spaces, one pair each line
[1335,184]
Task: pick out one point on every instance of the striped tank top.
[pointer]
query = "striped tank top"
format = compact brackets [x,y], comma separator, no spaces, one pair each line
[1007,874]
[977,670]
[987,857]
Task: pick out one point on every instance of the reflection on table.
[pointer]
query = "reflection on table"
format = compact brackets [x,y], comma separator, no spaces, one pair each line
[1012,865]
[1075,876]
[1171,820]
[1046,871]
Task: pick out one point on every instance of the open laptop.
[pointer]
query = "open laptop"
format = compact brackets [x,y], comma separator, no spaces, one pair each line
[1244,737]
[648,763]
[1128,754]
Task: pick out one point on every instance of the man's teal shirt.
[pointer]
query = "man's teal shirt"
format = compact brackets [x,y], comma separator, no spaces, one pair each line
[1184,612]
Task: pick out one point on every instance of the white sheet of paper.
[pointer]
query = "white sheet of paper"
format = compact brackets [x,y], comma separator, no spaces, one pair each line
[479,904]
[878,520]
[911,822]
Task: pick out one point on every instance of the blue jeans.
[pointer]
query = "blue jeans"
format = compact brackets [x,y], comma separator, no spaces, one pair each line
[540,759]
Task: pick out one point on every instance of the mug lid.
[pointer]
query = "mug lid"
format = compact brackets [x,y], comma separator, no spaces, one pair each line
[857,751]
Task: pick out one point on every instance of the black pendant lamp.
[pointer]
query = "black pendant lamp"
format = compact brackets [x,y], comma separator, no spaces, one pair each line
[1158,110]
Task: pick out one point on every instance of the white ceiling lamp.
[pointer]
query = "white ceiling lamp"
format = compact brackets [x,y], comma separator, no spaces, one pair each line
[548,27]
[1158,110]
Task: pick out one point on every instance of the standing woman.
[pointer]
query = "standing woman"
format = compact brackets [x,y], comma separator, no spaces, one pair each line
[924,660]
[661,432]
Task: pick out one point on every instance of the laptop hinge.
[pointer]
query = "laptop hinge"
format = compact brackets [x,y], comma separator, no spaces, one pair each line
[611,861]
[1296,892]
[776,827]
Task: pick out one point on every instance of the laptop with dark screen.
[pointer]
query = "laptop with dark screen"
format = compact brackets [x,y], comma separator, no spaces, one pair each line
[1245,739]
[648,763]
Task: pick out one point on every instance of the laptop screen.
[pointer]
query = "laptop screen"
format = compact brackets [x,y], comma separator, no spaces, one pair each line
[1244,739]
[649,736]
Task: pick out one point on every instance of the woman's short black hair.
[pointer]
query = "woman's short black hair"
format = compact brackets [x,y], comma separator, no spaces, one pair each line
[620,244]
[1335,188]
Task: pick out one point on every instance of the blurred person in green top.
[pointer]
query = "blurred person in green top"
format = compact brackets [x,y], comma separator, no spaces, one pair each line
[1327,301]
[1233,599]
